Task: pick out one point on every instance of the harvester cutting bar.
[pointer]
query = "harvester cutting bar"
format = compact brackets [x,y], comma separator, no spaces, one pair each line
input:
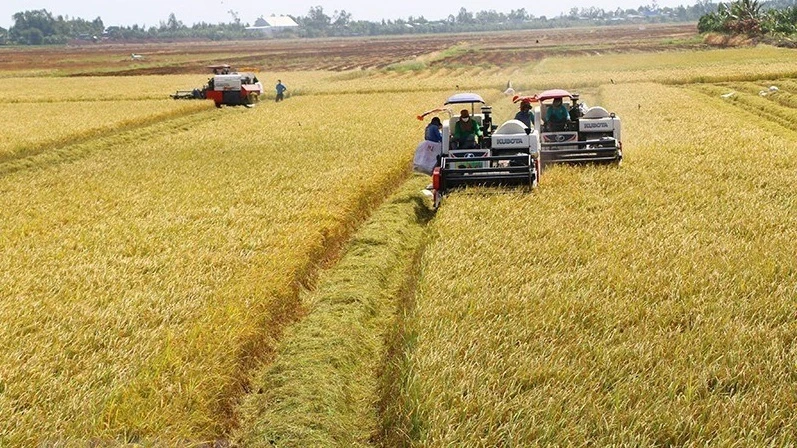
[188,95]
[602,150]
[494,170]
[606,143]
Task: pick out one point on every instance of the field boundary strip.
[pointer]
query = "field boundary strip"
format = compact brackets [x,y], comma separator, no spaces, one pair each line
[306,279]
[753,105]
[396,426]
[326,387]
[51,153]
[715,79]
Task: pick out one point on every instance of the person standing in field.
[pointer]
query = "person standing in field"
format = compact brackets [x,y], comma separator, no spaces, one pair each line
[429,151]
[280,90]
[576,108]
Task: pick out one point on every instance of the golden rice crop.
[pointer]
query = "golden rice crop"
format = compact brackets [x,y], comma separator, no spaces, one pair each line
[440,82]
[34,127]
[783,92]
[641,306]
[772,106]
[679,67]
[140,282]
[558,72]
[96,89]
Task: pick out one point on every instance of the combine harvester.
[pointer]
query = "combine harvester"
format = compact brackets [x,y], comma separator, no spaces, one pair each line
[504,155]
[589,135]
[513,154]
[226,88]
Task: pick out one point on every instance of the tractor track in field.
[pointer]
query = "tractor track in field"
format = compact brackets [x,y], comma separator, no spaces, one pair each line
[54,153]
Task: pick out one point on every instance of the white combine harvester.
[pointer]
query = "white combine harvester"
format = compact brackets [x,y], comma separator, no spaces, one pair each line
[589,135]
[513,154]
[504,155]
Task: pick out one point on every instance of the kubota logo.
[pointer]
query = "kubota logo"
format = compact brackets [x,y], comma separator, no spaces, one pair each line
[509,141]
[597,125]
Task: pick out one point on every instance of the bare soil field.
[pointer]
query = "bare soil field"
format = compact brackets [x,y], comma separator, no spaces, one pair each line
[340,54]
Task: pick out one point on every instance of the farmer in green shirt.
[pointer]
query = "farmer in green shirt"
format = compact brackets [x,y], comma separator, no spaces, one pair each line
[466,131]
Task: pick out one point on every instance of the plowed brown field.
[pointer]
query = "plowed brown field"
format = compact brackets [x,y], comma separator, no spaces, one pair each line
[339,54]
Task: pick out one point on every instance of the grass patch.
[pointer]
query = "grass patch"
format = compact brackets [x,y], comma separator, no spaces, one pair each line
[423,62]
[409,66]
[322,389]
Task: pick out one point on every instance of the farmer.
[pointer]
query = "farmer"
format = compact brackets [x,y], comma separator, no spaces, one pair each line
[576,108]
[556,116]
[466,131]
[525,114]
[432,132]
[280,90]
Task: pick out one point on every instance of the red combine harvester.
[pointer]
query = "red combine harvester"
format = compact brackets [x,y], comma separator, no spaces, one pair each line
[226,88]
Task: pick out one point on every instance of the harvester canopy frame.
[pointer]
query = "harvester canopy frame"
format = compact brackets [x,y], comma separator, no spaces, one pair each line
[220,68]
[553,94]
[465,98]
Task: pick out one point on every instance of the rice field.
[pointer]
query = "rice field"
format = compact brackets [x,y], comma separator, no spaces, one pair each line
[32,128]
[177,275]
[139,280]
[644,306]
[95,89]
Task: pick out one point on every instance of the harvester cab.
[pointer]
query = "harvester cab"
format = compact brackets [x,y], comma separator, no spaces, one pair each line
[482,119]
[585,135]
[227,87]
[503,155]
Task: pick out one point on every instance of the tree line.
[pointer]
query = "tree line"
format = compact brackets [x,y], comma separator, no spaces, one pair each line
[750,17]
[317,23]
[39,27]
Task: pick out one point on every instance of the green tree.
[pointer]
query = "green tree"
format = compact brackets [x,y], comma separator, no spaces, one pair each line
[518,15]
[464,16]
[31,36]
[341,18]
[32,27]
[172,24]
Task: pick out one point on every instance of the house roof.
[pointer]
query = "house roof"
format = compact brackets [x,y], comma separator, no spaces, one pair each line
[281,21]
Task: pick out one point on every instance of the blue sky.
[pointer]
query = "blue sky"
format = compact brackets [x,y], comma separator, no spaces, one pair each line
[152,12]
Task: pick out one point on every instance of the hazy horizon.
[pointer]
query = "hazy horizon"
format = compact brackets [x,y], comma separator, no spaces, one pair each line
[152,12]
